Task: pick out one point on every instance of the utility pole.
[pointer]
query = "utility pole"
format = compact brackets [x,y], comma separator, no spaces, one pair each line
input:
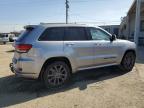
[137,21]
[67,7]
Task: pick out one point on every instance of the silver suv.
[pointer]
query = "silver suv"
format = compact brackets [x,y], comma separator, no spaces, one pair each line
[52,52]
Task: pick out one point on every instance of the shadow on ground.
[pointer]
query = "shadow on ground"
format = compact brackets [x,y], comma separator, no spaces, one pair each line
[10,51]
[14,90]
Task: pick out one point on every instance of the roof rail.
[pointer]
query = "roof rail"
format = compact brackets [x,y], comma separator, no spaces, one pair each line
[51,23]
[60,23]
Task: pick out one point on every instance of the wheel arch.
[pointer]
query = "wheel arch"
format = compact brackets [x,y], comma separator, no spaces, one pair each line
[129,50]
[51,60]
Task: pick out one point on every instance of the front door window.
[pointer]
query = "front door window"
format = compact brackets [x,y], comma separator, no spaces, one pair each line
[98,34]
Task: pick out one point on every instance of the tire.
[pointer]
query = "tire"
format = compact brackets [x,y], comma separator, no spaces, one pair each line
[11,40]
[56,74]
[128,62]
[4,43]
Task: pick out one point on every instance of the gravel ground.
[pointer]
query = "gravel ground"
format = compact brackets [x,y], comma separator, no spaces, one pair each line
[97,88]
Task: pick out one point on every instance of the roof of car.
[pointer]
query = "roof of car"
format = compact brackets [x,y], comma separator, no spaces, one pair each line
[47,25]
[63,25]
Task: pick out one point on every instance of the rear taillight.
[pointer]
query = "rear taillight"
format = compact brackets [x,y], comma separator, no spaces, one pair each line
[23,48]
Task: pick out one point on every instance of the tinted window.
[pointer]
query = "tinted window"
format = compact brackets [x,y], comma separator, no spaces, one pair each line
[75,34]
[98,34]
[52,34]
[1,36]
[23,35]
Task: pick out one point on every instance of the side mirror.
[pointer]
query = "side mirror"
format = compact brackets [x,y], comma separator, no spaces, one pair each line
[113,37]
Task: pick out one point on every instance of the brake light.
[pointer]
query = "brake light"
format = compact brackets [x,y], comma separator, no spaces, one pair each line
[23,48]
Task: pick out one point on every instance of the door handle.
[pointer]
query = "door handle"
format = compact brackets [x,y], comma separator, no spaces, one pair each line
[97,44]
[70,44]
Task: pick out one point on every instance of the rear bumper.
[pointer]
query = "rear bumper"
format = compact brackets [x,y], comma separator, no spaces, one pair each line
[19,73]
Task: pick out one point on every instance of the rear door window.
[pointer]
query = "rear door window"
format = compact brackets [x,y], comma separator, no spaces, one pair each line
[75,34]
[52,34]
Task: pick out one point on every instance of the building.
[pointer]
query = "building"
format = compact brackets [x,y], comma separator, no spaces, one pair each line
[132,26]
[113,29]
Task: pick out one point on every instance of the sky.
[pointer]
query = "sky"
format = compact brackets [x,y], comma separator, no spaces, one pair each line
[14,14]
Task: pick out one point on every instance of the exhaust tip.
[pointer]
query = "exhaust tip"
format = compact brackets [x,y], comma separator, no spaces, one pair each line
[11,67]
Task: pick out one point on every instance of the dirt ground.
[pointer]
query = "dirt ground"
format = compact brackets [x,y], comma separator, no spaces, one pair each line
[97,88]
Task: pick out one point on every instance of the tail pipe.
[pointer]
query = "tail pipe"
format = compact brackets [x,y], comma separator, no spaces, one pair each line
[11,67]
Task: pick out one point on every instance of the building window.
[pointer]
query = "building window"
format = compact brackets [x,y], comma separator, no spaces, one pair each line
[142,25]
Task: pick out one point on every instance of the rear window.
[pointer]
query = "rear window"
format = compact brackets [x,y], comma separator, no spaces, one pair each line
[24,34]
[52,34]
[2,36]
